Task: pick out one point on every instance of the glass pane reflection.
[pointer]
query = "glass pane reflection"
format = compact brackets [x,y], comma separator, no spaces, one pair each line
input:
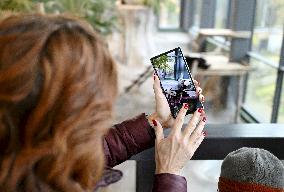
[260,90]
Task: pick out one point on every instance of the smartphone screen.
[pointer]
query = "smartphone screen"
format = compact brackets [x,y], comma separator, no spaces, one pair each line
[176,81]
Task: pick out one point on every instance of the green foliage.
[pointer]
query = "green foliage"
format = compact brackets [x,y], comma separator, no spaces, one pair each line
[154,4]
[16,5]
[161,63]
[171,5]
[101,14]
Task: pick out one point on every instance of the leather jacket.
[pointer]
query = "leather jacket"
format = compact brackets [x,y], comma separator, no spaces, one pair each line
[129,138]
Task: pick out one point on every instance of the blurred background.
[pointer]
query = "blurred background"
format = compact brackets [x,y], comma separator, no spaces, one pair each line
[241,40]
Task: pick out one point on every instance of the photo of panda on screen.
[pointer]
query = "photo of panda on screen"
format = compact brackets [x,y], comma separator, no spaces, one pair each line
[175,80]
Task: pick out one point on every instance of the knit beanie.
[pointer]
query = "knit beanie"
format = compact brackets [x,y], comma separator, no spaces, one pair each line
[251,170]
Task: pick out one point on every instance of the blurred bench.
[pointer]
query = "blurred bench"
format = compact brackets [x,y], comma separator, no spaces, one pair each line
[221,66]
[221,140]
[198,45]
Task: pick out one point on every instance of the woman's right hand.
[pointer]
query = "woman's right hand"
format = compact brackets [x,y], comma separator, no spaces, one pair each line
[172,152]
[162,111]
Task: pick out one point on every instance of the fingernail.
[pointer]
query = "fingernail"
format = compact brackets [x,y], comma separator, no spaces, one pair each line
[204,119]
[154,77]
[186,105]
[203,99]
[198,83]
[154,122]
[204,133]
[200,110]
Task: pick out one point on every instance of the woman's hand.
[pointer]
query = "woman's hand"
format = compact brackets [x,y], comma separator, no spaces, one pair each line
[163,112]
[172,153]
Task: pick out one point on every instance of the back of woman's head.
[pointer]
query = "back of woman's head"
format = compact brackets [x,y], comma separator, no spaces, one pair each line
[57,85]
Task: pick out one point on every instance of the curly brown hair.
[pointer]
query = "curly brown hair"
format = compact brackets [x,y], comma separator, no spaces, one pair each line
[57,87]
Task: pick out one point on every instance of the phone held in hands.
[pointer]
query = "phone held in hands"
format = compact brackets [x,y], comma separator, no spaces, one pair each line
[176,81]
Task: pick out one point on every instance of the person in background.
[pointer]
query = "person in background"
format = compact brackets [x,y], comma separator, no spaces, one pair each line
[58,84]
[251,170]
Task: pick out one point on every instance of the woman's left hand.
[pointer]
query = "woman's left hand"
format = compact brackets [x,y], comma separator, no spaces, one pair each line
[163,112]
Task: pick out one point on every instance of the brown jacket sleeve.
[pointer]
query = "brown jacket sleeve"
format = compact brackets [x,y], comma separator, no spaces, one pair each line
[127,139]
[166,182]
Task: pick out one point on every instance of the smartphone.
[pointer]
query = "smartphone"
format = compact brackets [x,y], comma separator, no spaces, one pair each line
[176,81]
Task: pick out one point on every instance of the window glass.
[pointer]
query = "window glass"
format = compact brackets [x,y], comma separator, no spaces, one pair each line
[169,14]
[268,30]
[221,14]
[260,90]
[197,13]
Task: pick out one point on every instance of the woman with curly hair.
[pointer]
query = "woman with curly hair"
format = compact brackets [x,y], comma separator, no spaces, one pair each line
[57,88]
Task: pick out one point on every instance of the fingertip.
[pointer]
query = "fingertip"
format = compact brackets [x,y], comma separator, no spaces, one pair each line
[201,98]
[198,90]
[154,122]
[157,123]
[158,130]
[155,83]
[185,106]
[156,80]
[184,109]
[200,111]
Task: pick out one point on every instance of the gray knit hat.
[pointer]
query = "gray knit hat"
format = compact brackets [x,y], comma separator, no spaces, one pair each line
[251,169]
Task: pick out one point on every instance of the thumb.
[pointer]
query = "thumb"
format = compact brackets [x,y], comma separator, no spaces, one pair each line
[157,86]
[159,95]
[158,130]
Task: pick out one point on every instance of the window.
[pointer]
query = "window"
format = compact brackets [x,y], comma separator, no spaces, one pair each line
[197,13]
[221,14]
[169,17]
[260,90]
[268,30]
[266,47]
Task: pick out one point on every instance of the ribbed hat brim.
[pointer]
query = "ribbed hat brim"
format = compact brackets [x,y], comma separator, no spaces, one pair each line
[227,185]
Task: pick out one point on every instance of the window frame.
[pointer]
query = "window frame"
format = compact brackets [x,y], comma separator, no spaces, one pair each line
[174,29]
[279,82]
[247,114]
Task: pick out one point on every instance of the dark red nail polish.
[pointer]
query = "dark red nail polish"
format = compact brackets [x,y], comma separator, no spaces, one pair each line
[154,77]
[186,106]
[200,110]
[154,122]
[204,119]
[204,133]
